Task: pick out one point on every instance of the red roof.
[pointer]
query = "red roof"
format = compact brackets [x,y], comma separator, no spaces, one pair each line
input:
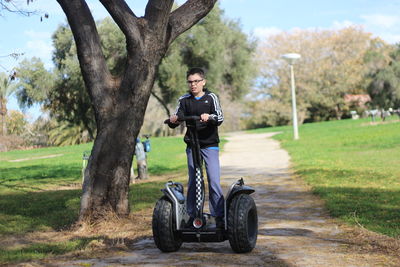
[361,99]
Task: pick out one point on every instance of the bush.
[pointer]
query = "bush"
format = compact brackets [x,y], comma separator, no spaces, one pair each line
[268,113]
[11,142]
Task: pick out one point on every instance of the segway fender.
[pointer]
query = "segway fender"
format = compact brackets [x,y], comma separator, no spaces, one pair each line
[244,189]
[174,193]
[236,188]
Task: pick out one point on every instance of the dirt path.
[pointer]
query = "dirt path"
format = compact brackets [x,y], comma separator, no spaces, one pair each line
[294,229]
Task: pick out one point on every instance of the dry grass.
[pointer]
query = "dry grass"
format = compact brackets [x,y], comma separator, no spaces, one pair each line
[105,238]
[369,242]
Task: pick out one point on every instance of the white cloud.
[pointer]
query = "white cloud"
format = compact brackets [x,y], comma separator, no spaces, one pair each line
[391,38]
[264,32]
[37,35]
[380,20]
[39,45]
[40,49]
[342,24]
[383,26]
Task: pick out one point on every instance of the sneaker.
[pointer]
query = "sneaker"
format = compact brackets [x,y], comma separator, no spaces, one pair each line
[220,223]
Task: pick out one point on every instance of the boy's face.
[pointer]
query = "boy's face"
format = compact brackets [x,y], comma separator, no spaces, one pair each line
[196,84]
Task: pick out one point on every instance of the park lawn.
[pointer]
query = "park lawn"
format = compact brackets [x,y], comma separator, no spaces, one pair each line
[354,166]
[42,192]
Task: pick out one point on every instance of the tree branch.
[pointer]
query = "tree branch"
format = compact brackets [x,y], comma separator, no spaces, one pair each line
[184,17]
[10,6]
[157,13]
[91,58]
[125,19]
[162,103]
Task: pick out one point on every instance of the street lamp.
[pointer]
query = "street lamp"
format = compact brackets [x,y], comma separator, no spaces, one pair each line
[291,59]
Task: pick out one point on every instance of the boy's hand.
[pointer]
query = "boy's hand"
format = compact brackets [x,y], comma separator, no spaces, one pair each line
[204,117]
[173,119]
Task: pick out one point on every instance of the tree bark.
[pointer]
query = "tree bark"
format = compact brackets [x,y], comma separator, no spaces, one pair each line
[3,114]
[120,103]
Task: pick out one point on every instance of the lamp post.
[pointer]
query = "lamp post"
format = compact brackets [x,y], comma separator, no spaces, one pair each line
[291,59]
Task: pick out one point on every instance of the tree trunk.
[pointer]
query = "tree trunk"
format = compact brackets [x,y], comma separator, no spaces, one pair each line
[3,113]
[119,103]
[3,125]
[107,177]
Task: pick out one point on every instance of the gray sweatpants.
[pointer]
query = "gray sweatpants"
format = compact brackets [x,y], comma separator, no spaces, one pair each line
[211,160]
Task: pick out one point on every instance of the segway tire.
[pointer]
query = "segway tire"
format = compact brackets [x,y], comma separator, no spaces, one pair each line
[164,234]
[242,223]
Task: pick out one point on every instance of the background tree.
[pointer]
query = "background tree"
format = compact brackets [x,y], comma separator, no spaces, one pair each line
[331,66]
[6,89]
[16,123]
[384,86]
[64,133]
[119,101]
[69,102]
[62,90]
[217,45]
[231,59]
[34,82]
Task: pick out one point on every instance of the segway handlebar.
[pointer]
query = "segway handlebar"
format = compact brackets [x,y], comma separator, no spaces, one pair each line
[188,118]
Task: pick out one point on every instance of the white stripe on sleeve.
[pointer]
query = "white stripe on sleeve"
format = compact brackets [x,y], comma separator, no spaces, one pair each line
[220,115]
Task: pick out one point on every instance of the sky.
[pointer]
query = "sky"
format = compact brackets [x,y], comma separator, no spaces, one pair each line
[259,18]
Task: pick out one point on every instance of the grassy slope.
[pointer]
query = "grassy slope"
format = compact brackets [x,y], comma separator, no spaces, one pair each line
[354,166]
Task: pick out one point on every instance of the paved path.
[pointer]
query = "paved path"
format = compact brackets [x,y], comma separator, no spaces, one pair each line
[294,229]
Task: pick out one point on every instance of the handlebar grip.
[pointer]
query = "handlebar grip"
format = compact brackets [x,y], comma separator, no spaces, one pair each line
[189,118]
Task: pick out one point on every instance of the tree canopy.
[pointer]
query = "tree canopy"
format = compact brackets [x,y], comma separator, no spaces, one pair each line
[228,61]
[217,45]
[34,82]
[384,86]
[331,66]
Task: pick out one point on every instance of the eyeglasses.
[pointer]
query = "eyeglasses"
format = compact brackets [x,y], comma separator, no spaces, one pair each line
[194,81]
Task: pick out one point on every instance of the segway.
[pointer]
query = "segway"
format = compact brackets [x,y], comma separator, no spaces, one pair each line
[171,226]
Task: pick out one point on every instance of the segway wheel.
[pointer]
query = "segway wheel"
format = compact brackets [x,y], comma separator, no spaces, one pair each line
[242,223]
[163,224]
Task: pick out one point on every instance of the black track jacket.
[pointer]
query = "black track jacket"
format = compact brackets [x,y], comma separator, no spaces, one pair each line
[208,103]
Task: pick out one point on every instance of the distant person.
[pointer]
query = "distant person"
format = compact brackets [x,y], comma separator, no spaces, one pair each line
[199,101]
[141,160]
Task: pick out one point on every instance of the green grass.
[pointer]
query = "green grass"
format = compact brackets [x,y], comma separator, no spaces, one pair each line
[42,250]
[353,166]
[167,155]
